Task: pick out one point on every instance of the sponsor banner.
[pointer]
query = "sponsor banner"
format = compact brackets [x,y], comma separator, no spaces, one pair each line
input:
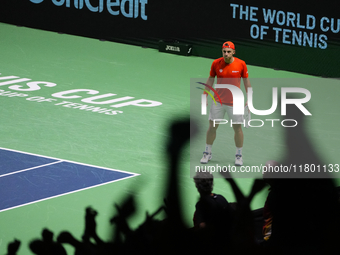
[175,48]
[282,35]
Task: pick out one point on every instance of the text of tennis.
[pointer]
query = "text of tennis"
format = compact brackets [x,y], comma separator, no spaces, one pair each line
[73,94]
[301,28]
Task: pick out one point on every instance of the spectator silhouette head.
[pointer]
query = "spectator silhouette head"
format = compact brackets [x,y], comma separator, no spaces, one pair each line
[47,245]
[204,182]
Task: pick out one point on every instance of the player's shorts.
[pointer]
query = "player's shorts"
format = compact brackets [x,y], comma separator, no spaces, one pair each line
[218,111]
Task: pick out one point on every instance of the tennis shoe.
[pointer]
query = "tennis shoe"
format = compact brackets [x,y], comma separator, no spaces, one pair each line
[206,157]
[238,160]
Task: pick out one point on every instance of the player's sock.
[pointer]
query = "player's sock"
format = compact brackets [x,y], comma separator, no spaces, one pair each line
[238,151]
[208,148]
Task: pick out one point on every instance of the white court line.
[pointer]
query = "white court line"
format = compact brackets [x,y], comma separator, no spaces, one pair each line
[74,162]
[31,168]
[59,161]
[67,193]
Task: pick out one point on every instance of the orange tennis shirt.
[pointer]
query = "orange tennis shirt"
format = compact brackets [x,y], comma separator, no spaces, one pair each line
[228,74]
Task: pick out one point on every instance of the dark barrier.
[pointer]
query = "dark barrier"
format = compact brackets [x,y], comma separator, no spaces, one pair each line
[290,35]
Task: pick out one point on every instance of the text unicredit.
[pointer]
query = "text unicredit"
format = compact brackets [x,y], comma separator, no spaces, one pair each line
[127,8]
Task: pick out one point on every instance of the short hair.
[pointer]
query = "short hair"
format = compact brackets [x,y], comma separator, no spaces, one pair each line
[204,182]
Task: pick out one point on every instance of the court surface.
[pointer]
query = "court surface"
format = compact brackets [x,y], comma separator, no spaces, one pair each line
[27,178]
[63,147]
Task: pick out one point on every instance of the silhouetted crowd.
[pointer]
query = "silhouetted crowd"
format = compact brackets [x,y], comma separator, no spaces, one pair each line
[300,216]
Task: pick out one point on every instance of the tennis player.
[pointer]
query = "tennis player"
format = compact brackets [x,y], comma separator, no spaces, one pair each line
[228,70]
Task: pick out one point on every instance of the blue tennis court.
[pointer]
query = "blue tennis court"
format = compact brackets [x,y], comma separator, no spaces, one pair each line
[27,178]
